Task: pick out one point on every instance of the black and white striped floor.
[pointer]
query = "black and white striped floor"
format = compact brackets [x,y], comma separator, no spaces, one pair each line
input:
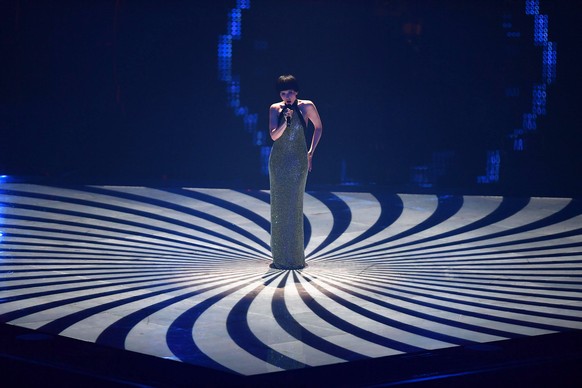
[183,274]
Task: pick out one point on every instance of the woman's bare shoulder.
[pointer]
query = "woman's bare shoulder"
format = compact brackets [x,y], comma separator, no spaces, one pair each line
[277,106]
[306,105]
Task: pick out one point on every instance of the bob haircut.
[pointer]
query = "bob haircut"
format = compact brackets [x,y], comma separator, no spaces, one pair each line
[287,82]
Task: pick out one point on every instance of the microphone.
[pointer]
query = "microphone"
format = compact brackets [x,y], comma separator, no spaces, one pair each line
[288,118]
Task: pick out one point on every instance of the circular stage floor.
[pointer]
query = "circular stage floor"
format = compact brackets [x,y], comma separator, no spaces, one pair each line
[183,273]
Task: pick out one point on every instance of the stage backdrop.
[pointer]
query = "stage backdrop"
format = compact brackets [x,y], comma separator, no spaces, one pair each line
[416,95]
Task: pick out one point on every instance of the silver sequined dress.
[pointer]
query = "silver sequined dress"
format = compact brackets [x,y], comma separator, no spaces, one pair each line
[288,175]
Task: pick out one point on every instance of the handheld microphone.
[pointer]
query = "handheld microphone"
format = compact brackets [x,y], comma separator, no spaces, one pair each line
[288,118]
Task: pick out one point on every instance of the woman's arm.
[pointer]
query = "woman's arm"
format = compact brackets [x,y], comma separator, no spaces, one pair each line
[312,114]
[275,129]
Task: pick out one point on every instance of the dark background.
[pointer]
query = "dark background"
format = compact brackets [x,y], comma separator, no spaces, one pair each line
[412,93]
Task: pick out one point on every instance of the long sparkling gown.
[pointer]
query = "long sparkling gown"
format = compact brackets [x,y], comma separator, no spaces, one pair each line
[288,175]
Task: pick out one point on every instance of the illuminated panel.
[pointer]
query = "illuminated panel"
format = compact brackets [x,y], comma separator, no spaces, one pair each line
[232,81]
[539,89]
[225,43]
[548,76]
[492,168]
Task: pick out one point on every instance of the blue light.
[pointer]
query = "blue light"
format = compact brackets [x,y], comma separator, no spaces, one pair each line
[420,176]
[243,4]
[540,29]
[493,165]
[539,100]
[233,87]
[251,121]
[549,62]
[548,76]
[492,169]
[260,138]
[532,7]
[235,23]
[517,138]
[529,121]
[265,154]
[518,145]
[241,111]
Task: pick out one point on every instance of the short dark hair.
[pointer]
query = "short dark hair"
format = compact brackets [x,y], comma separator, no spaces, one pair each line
[287,82]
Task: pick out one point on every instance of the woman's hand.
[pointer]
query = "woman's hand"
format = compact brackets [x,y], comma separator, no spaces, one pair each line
[288,113]
[309,161]
[277,128]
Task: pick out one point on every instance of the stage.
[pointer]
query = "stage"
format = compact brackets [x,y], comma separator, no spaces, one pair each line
[175,284]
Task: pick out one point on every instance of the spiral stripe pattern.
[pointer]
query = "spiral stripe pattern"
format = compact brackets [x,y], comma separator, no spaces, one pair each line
[183,273]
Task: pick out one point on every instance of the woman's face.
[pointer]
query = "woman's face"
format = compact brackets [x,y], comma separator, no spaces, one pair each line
[288,96]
